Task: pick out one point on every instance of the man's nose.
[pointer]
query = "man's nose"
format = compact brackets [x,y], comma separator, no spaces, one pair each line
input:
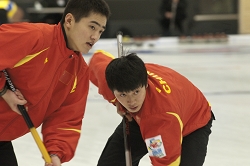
[131,100]
[95,36]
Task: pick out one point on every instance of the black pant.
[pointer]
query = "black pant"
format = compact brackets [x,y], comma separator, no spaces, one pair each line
[7,155]
[194,147]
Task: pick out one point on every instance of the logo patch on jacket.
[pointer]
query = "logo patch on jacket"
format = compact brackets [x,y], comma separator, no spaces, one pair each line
[155,147]
[66,77]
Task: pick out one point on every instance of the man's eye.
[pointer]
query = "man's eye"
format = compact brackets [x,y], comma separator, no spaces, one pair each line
[122,95]
[92,27]
[137,91]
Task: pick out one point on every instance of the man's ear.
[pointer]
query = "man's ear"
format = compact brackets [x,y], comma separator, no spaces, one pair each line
[69,19]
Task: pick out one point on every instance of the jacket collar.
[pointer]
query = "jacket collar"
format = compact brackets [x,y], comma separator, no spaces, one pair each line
[64,45]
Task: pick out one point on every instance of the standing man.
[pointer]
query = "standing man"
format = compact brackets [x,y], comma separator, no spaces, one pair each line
[170,118]
[46,66]
[173,14]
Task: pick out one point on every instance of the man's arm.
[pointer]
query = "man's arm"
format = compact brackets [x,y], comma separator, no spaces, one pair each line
[97,67]
[62,126]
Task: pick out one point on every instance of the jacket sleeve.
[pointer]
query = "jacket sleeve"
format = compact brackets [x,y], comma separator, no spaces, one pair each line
[163,138]
[17,42]
[61,130]
[97,67]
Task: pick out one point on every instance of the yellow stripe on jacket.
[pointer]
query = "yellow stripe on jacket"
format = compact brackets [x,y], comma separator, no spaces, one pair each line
[28,58]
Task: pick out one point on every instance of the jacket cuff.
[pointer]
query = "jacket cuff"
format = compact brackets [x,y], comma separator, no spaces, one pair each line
[58,154]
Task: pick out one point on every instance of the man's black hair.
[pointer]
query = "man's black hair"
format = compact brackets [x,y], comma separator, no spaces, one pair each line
[83,8]
[126,73]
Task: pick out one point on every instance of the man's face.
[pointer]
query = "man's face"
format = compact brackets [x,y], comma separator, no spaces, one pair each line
[131,100]
[84,34]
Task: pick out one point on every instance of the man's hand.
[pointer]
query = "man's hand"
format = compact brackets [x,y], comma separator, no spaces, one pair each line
[13,99]
[55,161]
[168,15]
[122,112]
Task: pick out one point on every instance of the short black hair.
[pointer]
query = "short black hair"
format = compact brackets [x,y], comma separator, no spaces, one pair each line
[126,73]
[83,8]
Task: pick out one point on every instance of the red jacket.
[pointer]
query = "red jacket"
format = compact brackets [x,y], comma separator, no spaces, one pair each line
[173,108]
[53,79]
